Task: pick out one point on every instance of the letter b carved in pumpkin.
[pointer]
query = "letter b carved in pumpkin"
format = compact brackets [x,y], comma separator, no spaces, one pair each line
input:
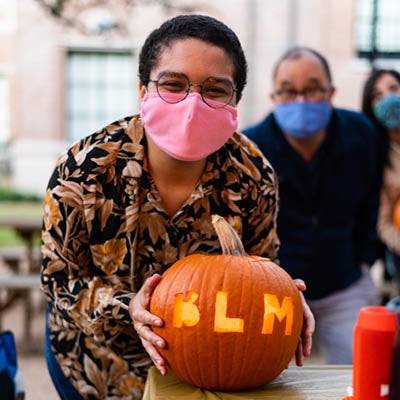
[231,321]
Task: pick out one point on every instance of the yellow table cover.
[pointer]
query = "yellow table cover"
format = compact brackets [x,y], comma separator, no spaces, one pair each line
[319,382]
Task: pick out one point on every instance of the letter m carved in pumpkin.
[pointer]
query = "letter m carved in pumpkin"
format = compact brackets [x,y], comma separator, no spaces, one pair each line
[273,309]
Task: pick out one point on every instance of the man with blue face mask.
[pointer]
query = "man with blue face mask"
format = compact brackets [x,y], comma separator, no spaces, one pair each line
[327,164]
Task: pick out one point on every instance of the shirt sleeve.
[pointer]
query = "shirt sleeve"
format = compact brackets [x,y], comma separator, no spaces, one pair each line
[95,301]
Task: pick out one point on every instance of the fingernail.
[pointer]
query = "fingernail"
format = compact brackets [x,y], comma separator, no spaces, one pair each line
[159,343]
[157,322]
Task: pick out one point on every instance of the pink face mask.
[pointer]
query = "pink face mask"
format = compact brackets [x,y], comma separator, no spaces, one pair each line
[189,130]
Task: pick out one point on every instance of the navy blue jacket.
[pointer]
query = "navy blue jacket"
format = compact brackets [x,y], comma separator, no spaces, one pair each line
[328,207]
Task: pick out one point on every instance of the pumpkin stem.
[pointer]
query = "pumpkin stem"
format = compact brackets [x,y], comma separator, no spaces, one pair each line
[228,237]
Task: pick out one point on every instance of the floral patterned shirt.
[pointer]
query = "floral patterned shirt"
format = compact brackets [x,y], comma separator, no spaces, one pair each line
[106,231]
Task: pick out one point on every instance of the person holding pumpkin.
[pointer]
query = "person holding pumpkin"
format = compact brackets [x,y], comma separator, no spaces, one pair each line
[329,178]
[127,202]
[381,103]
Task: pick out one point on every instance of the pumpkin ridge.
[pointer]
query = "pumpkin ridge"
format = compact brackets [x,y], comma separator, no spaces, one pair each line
[256,357]
[246,282]
[288,351]
[262,281]
[170,300]
[202,341]
[191,368]
[227,342]
[185,361]
[218,356]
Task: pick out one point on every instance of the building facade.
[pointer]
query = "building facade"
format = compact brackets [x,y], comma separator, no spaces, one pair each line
[61,80]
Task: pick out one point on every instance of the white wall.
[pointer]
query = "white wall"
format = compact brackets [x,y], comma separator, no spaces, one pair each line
[32,163]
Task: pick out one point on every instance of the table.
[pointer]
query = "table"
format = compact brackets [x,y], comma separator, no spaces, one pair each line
[24,265]
[318,382]
[26,228]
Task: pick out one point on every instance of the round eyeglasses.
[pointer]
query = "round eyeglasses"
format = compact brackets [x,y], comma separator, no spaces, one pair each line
[215,92]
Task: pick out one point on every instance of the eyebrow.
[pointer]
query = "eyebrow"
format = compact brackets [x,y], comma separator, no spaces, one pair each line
[310,80]
[169,72]
[223,78]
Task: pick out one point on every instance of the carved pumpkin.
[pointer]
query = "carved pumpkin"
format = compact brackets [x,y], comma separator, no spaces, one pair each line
[396,213]
[231,321]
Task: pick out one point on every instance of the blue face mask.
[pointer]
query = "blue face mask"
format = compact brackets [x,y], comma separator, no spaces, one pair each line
[387,111]
[303,119]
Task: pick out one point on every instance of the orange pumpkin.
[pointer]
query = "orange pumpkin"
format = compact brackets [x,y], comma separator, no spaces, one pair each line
[396,213]
[231,321]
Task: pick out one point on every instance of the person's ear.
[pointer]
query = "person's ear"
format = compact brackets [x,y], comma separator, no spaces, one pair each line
[331,93]
[142,90]
[272,96]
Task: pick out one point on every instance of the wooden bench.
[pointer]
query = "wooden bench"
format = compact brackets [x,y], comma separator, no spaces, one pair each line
[14,287]
[19,282]
[15,258]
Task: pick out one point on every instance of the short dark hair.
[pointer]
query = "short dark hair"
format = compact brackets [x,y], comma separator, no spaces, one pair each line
[299,51]
[196,26]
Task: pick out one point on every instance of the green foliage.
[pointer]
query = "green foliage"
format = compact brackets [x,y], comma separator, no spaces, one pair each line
[22,209]
[9,238]
[12,195]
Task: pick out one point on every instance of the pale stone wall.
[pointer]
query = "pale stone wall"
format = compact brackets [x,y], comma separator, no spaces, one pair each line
[34,51]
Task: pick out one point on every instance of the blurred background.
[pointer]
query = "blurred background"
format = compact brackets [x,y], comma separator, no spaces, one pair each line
[68,67]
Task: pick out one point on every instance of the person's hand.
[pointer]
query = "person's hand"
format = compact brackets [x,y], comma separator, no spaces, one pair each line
[143,320]
[305,342]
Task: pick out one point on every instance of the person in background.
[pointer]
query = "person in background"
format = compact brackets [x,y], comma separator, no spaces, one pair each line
[381,103]
[128,201]
[328,174]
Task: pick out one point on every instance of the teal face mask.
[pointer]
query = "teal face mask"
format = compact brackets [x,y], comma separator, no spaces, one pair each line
[387,111]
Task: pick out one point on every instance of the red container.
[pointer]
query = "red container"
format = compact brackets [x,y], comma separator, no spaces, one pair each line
[374,339]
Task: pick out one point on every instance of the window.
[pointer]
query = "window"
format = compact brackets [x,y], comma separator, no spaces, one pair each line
[377,29]
[5,125]
[4,111]
[101,88]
